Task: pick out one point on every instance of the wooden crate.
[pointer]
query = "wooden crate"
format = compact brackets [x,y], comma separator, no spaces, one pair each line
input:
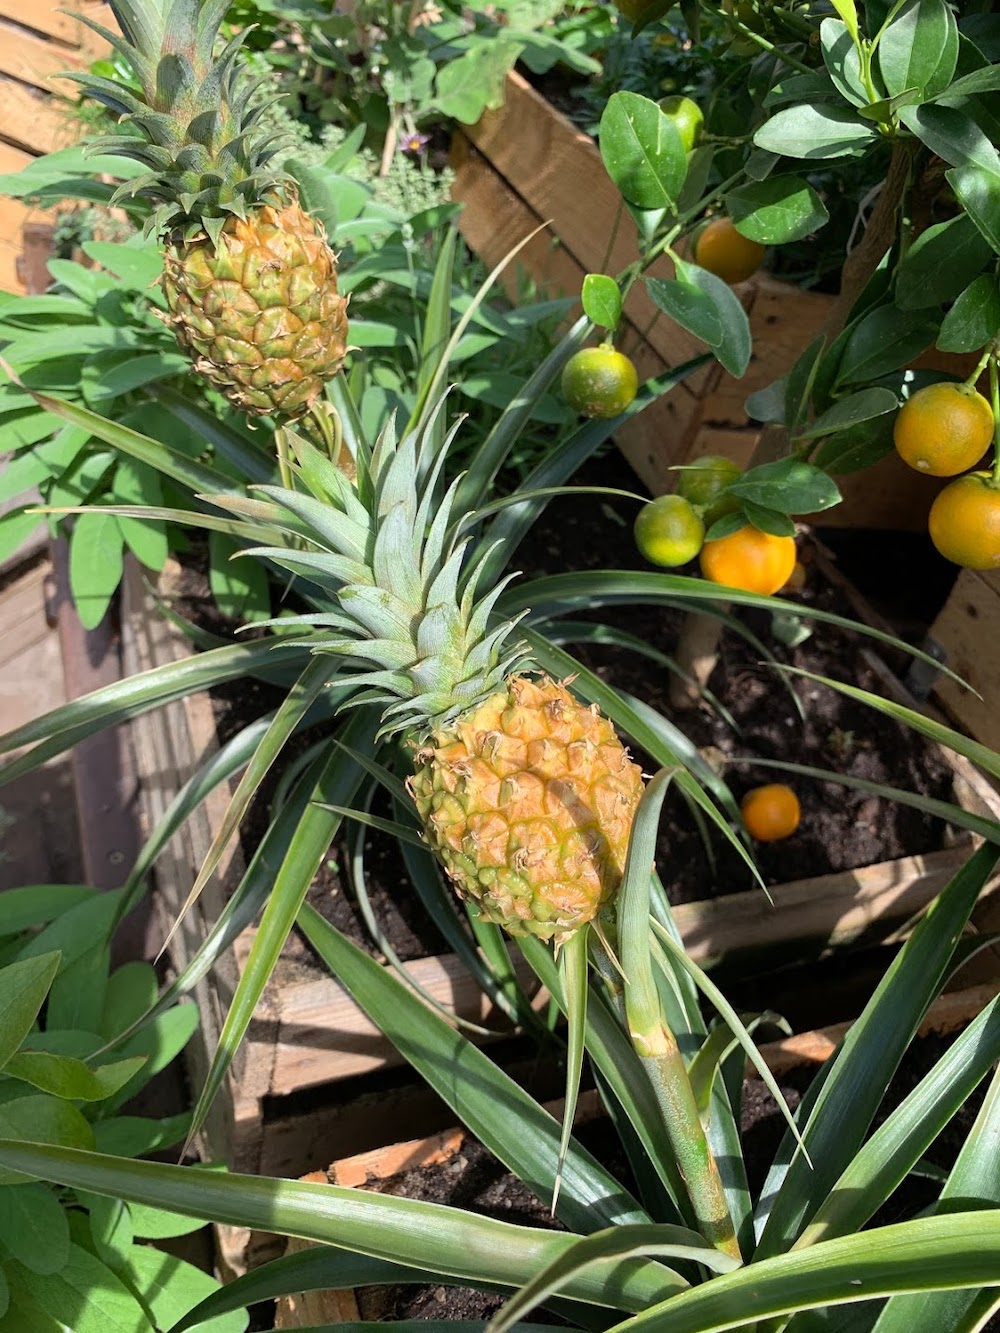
[308,1034]
[967,634]
[38,43]
[526,166]
[948,1014]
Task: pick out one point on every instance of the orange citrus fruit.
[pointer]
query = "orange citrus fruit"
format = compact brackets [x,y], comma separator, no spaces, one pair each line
[723,251]
[686,117]
[771,813]
[703,483]
[749,559]
[964,522]
[943,429]
[599,382]
[669,531]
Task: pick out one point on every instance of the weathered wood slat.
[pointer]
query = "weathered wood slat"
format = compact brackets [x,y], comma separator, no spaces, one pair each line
[43,16]
[968,630]
[32,120]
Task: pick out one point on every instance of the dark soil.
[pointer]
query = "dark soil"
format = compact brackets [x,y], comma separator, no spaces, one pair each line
[475,1181]
[840,830]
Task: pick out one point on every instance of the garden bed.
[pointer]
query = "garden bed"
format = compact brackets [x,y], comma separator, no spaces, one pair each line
[455,1169]
[836,884]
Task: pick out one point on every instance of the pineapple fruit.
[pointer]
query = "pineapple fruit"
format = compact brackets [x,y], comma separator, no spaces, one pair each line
[250,281]
[526,795]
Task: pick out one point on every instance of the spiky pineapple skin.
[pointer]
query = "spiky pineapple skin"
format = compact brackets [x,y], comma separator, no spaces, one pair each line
[259,311]
[528,801]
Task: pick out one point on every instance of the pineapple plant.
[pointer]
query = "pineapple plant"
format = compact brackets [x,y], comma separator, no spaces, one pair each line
[525,795]
[249,278]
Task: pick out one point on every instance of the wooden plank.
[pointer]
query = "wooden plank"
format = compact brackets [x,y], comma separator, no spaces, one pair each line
[44,17]
[34,120]
[968,630]
[32,59]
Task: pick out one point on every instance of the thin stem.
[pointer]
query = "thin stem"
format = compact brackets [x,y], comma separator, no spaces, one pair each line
[613,234]
[284,463]
[763,43]
[973,379]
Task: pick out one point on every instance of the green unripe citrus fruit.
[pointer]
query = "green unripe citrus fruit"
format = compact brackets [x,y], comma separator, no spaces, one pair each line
[599,382]
[669,531]
[704,482]
[686,118]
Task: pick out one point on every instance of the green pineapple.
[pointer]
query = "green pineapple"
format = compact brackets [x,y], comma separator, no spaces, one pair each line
[250,281]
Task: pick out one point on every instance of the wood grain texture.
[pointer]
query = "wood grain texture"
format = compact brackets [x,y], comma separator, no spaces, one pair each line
[34,59]
[42,16]
[33,120]
[968,630]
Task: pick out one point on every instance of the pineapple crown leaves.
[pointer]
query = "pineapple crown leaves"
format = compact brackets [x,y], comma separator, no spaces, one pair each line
[198,116]
[420,639]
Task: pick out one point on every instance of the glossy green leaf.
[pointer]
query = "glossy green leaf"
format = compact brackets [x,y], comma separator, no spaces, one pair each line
[777,210]
[642,151]
[734,347]
[34,1227]
[942,261]
[856,448]
[919,48]
[135,1136]
[978,191]
[788,485]
[765,519]
[426,1236]
[157,1043]
[131,989]
[865,405]
[952,134]
[882,341]
[95,565]
[689,307]
[602,301]
[843,61]
[77,993]
[23,988]
[110,1228]
[37,904]
[815,132]
[974,318]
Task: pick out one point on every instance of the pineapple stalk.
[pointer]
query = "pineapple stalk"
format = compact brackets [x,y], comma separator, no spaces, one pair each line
[249,279]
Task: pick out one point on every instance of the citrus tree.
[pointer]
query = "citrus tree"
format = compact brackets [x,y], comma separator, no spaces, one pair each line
[904,93]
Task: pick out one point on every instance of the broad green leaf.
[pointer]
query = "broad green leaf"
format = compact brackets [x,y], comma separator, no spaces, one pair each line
[777,210]
[856,448]
[768,404]
[843,61]
[169,1288]
[86,1296]
[815,132]
[883,340]
[788,485]
[42,1119]
[158,1224]
[77,993]
[95,565]
[136,483]
[62,1076]
[157,1043]
[37,904]
[239,584]
[425,1236]
[110,1228]
[33,1227]
[849,15]
[602,301]
[865,405]
[974,318]
[765,519]
[952,134]
[131,991]
[642,151]
[735,346]
[23,988]
[688,306]
[799,384]
[135,1136]
[16,527]
[919,48]
[978,191]
[139,266]
[941,262]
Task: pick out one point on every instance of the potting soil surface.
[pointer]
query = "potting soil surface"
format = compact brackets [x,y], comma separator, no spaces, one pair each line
[841,829]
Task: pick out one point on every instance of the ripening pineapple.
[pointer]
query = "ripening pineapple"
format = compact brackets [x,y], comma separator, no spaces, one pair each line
[250,281]
[526,795]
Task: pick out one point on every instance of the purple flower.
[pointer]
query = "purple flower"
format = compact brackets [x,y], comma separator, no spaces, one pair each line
[413,143]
